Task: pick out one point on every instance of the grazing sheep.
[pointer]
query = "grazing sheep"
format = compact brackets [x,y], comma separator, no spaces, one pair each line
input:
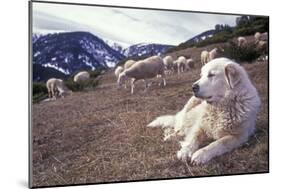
[81,77]
[257,36]
[204,57]
[264,36]
[143,69]
[215,53]
[56,85]
[190,63]
[262,47]
[261,37]
[128,64]
[181,64]
[118,70]
[168,62]
[241,41]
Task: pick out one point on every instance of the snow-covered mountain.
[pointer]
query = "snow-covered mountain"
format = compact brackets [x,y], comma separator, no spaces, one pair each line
[116,45]
[202,36]
[145,49]
[73,51]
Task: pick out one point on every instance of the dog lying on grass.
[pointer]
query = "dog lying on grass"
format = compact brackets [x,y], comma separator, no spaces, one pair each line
[224,108]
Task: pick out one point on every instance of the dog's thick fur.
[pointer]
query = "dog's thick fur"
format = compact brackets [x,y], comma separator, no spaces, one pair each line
[224,109]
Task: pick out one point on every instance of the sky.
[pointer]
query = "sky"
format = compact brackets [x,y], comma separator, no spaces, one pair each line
[125,26]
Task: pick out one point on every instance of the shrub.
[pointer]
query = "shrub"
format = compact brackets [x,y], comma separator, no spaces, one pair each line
[247,53]
[39,91]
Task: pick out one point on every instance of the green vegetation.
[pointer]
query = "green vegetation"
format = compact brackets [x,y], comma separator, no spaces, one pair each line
[247,53]
[39,91]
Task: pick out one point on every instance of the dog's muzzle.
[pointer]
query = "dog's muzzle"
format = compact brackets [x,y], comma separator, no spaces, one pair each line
[195,88]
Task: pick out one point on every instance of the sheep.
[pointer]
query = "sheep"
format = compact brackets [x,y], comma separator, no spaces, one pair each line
[241,41]
[143,69]
[181,64]
[261,37]
[190,63]
[262,47]
[168,62]
[264,36]
[81,77]
[55,85]
[118,70]
[204,57]
[213,54]
[257,36]
[208,56]
[128,64]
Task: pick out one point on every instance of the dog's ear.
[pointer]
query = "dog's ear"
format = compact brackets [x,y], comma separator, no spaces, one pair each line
[232,75]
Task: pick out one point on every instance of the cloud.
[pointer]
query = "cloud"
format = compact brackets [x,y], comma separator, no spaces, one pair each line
[129,26]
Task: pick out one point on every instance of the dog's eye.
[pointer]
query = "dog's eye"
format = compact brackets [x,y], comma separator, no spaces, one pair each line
[211,75]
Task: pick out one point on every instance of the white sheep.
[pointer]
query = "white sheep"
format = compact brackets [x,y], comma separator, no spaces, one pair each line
[257,36]
[189,63]
[128,64]
[261,37]
[241,41]
[118,70]
[56,88]
[81,77]
[168,62]
[213,54]
[264,36]
[262,45]
[204,57]
[181,64]
[144,69]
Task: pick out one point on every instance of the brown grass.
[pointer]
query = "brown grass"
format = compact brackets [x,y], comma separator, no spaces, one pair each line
[101,136]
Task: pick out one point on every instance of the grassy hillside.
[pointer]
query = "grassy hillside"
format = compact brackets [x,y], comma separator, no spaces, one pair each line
[101,135]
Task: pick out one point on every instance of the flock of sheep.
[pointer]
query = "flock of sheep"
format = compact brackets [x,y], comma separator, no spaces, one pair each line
[260,40]
[151,67]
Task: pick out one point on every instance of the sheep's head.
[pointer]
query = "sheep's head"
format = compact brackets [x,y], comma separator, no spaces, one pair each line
[121,79]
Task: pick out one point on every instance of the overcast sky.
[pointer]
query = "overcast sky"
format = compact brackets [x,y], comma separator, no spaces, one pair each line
[126,26]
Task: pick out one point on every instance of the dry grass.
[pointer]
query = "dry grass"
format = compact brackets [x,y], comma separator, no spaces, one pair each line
[101,136]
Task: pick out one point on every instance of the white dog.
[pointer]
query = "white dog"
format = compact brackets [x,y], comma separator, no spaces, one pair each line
[224,108]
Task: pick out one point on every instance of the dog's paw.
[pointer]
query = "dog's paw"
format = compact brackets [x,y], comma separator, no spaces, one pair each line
[200,157]
[184,153]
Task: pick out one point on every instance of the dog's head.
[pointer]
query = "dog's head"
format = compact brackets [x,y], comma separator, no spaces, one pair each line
[217,78]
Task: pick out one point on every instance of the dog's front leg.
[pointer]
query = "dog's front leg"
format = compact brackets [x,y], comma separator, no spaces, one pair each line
[216,148]
[191,143]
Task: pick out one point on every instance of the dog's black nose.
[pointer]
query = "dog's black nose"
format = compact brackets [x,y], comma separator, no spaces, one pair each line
[195,88]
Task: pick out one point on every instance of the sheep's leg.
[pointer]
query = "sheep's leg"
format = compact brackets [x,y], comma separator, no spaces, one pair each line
[125,84]
[49,93]
[163,79]
[132,85]
[53,92]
